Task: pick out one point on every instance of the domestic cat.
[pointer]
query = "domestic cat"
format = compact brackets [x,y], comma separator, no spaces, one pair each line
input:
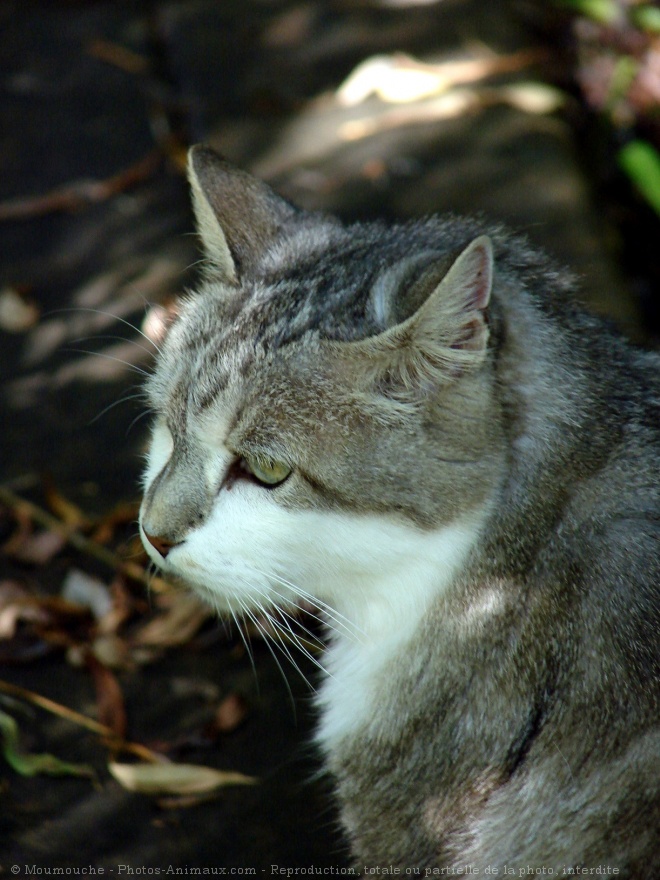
[414,428]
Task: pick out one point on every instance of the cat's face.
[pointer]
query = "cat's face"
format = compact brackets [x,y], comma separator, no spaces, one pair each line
[307,443]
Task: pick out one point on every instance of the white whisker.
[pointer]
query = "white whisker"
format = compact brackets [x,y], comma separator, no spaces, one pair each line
[346,625]
[244,636]
[147,412]
[112,338]
[133,367]
[114,318]
[281,644]
[285,626]
[137,395]
[341,620]
[312,637]
[247,611]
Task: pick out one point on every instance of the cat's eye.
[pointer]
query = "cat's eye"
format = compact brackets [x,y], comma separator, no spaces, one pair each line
[266,470]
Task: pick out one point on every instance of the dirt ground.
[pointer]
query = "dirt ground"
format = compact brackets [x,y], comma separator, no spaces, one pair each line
[99,101]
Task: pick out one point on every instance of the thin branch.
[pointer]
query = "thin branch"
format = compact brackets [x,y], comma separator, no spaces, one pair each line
[80,193]
[81,720]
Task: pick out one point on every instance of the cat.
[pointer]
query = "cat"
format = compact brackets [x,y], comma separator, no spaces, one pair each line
[413,427]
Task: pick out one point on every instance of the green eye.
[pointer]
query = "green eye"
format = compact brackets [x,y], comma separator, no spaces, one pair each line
[267,471]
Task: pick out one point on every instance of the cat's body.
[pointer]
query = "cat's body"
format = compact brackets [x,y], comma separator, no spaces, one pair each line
[413,427]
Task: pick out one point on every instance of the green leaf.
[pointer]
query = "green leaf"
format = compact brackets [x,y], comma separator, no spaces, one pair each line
[647,18]
[603,11]
[625,71]
[641,162]
[31,765]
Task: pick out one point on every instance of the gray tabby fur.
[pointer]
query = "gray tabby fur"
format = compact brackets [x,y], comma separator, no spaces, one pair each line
[505,445]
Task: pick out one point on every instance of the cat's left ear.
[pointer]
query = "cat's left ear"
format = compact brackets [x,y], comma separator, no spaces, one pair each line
[238,216]
[444,337]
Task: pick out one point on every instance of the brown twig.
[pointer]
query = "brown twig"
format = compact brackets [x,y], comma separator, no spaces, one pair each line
[81,720]
[80,193]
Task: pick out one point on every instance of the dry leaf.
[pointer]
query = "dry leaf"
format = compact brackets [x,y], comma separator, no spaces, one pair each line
[230,713]
[24,528]
[16,314]
[16,603]
[82,589]
[177,779]
[51,618]
[111,651]
[39,548]
[395,79]
[119,56]
[184,615]
[109,698]
[401,79]
[532,97]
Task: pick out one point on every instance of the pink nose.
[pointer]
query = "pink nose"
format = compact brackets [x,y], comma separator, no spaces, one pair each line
[162,545]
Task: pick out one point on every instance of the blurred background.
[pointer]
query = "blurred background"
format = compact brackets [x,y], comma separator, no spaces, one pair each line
[541,114]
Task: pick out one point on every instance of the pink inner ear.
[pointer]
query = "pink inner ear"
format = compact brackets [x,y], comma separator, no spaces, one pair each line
[473,335]
[474,287]
[479,277]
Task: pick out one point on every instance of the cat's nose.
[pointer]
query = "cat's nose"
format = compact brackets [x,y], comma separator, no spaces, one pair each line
[162,545]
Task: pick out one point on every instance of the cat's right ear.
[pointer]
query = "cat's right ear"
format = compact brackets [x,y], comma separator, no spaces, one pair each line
[444,338]
[238,216]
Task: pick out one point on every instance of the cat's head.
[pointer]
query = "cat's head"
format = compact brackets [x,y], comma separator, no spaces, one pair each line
[325,421]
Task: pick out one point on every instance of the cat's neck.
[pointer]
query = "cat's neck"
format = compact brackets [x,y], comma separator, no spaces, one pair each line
[385,618]
[544,408]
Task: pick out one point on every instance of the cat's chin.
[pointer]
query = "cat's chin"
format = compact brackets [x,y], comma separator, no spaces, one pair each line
[221,593]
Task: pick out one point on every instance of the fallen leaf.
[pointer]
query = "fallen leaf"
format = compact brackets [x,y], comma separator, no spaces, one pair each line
[402,79]
[16,314]
[119,56]
[184,687]
[50,618]
[39,547]
[177,779]
[78,718]
[111,651]
[109,698]
[65,623]
[532,97]
[230,713]
[124,606]
[185,801]
[16,604]
[82,589]
[24,527]
[183,615]
[29,764]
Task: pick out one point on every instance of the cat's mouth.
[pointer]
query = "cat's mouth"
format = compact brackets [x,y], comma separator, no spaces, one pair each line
[157,548]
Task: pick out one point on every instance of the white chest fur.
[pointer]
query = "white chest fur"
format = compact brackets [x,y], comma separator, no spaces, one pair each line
[354,690]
